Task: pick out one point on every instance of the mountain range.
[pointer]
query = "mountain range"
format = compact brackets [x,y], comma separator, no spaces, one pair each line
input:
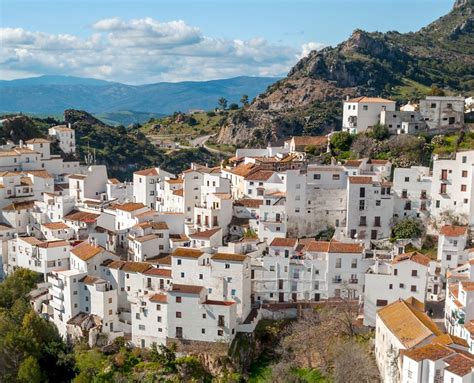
[438,57]
[121,103]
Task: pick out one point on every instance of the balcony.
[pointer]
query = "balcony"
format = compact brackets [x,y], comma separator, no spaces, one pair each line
[221,322]
[56,305]
[57,292]
[354,281]
[337,280]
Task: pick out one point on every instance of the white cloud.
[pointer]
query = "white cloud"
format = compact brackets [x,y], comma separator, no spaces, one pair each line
[143,50]
[308,47]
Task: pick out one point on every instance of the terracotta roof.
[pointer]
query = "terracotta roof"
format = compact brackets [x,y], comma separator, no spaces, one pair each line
[448,339]
[334,247]
[115,264]
[360,180]
[186,289]
[31,240]
[159,226]
[55,225]
[145,238]
[159,298]
[147,172]
[284,242]
[113,181]
[205,234]
[229,257]
[459,365]
[413,256]
[38,141]
[81,216]
[136,267]
[248,202]
[62,128]
[242,170]
[353,163]
[130,206]
[158,272]
[77,177]
[179,192]
[378,162]
[223,195]
[160,260]
[470,328]
[260,175]
[175,181]
[310,140]
[430,351]
[86,251]
[51,244]
[39,173]
[20,205]
[453,231]
[186,252]
[408,324]
[26,181]
[369,100]
[219,303]
[89,280]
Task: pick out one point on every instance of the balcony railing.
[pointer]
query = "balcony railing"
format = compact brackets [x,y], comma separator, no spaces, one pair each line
[353,280]
[337,280]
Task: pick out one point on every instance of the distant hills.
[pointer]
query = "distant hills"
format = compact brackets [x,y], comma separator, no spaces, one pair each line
[121,103]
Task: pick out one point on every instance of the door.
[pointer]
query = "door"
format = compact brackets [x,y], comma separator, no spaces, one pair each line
[280,284]
[281,297]
[111,326]
[294,296]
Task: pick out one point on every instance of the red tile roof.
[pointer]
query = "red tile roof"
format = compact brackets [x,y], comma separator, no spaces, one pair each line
[229,257]
[158,272]
[147,172]
[284,242]
[334,247]
[453,231]
[186,289]
[362,180]
[159,298]
[206,234]
[413,256]
[186,252]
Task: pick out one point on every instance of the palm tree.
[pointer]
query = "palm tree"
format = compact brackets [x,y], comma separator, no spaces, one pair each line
[244,100]
[222,102]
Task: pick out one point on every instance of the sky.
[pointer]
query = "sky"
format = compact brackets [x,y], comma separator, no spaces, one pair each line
[147,41]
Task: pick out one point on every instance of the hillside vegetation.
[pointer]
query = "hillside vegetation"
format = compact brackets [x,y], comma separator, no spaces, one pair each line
[403,66]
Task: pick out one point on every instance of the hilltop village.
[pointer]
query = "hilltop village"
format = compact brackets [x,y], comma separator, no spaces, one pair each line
[198,258]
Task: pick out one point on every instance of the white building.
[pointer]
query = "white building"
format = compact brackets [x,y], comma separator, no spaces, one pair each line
[147,184]
[452,189]
[361,113]
[412,192]
[452,243]
[65,136]
[443,112]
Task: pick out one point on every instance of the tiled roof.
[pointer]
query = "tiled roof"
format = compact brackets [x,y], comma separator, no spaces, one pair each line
[459,365]
[38,141]
[205,234]
[413,256]
[147,172]
[260,175]
[39,173]
[175,181]
[242,170]
[408,324]
[136,267]
[229,257]
[369,100]
[186,252]
[159,226]
[453,231]
[362,180]
[159,298]
[223,195]
[89,280]
[186,289]
[113,181]
[333,247]
[55,225]
[378,162]
[130,206]
[353,163]
[158,272]
[161,260]
[81,216]
[31,240]
[86,251]
[430,351]
[77,177]
[310,140]
[249,202]
[20,205]
[145,238]
[284,242]
[179,192]
[467,285]
[51,244]
[448,339]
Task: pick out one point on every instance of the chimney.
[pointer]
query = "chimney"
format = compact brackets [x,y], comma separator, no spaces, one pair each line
[347,98]
[69,125]
[21,143]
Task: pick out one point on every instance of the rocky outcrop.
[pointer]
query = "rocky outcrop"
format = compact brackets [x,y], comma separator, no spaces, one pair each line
[372,64]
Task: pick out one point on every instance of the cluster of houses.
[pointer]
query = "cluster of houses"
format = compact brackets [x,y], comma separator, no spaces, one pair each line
[201,256]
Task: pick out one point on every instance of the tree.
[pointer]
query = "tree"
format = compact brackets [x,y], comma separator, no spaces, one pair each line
[436,91]
[408,228]
[341,141]
[353,364]
[222,103]
[244,100]
[364,146]
[379,132]
[17,285]
[30,371]
[233,106]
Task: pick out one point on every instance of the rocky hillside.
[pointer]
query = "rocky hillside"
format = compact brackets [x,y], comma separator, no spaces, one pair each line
[402,66]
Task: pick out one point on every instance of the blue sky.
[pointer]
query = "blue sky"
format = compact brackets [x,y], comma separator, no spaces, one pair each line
[144,41]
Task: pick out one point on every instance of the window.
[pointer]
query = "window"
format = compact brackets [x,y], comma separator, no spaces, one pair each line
[158,307]
[317,176]
[437,203]
[338,263]
[204,316]
[227,266]
[390,286]
[443,189]
[444,174]
[381,302]
[178,300]
[159,319]
[363,221]
[413,288]
[402,286]
[110,300]
[272,268]
[433,105]
[362,192]
[395,272]
[137,316]
[463,188]
[361,205]
[448,257]
[464,158]
[178,314]
[377,221]
[414,273]
[464,173]
[178,262]
[365,107]
[200,276]
[179,332]
[407,179]
[220,332]
[377,202]
[335,177]
[203,331]
[182,275]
